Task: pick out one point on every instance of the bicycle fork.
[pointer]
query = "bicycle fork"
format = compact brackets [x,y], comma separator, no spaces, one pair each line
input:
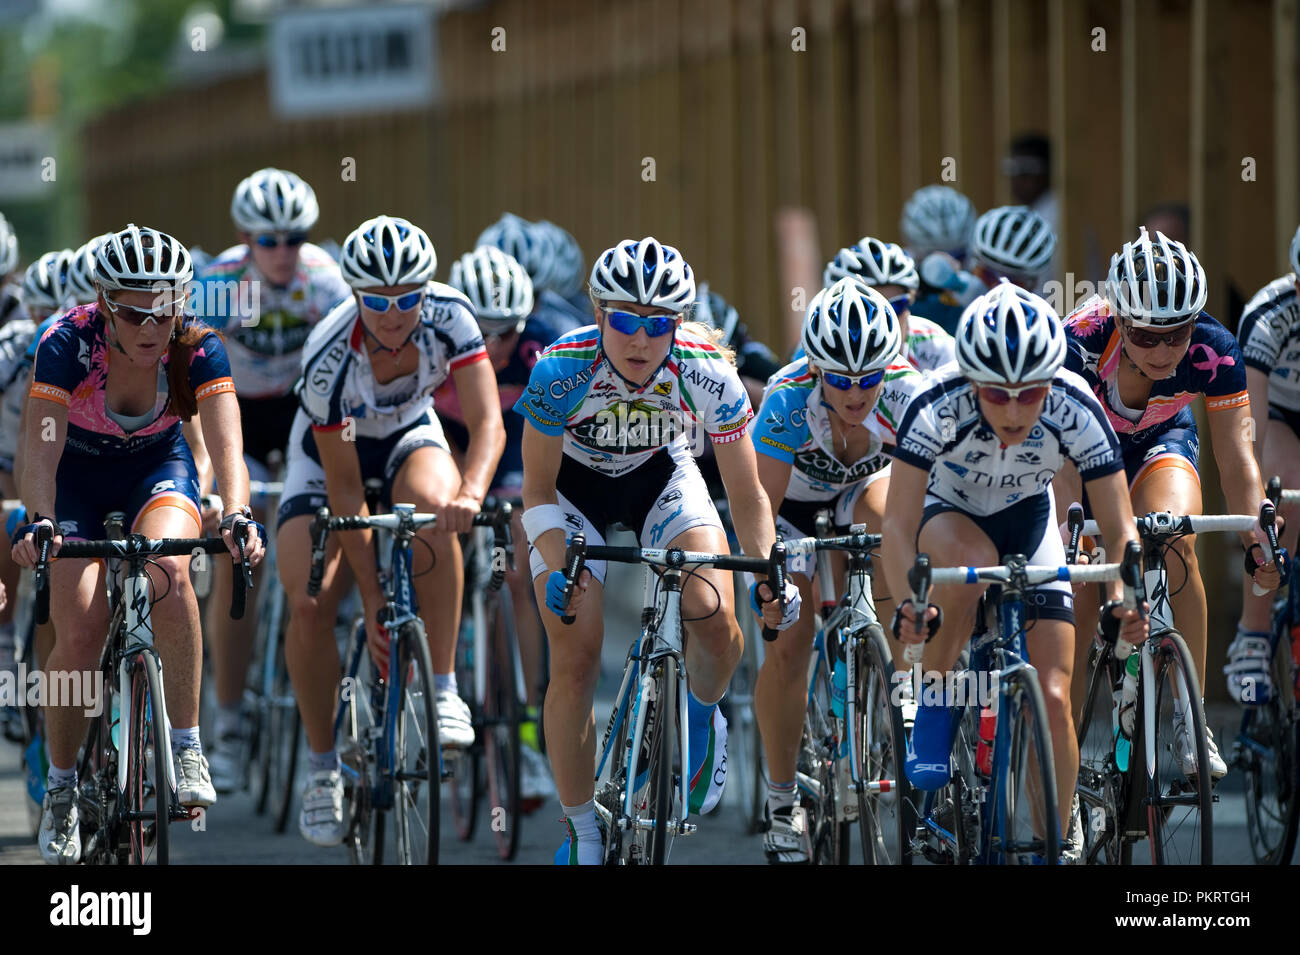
[140,640]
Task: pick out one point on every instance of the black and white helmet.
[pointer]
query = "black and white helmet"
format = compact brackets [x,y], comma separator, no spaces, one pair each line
[873,262]
[497,286]
[8,247]
[1009,335]
[387,251]
[937,218]
[274,200]
[1156,282]
[45,281]
[1295,254]
[850,329]
[644,273]
[141,260]
[79,286]
[716,312]
[1013,239]
[567,269]
[531,247]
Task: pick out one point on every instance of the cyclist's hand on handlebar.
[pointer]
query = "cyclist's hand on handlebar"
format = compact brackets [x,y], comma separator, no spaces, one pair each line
[906,626]
[1127,625]
[1267,575]
[457,517]
[555,583]
[770,610]
[24,551]
[254,546]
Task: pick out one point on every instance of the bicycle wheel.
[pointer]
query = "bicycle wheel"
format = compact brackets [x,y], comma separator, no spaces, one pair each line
[145,808]
[744,745]
[417,767]
[815,774]
[501,733]
[885,817]
[1022,793]
[1179,807]
[1102,789]
[660,778]
[1266,755]
[466,766]
[279,724]
[355,751]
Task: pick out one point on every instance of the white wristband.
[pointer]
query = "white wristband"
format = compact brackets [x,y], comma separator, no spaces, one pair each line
[542,518]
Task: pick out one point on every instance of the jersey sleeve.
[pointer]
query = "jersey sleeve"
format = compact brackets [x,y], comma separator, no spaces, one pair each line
[1220,366]
[59,369]
[454,321]
[728,415]
[919,438]
[1262,335]
[781,426]
[1085,432]
[556,383]
[210,369]
[901,382]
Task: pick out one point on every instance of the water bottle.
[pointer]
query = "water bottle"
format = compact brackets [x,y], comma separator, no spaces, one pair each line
[1126,708]
[984,750]
[839,684]
[115,720]
[937,270]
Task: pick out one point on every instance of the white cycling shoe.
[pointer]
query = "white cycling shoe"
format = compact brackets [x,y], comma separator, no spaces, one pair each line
[193,779]
[455,726]
[787,841]
[60,834]
[321,818]
[1187,752]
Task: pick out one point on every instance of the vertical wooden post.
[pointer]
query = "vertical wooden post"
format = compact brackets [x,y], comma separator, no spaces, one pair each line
[1286,121]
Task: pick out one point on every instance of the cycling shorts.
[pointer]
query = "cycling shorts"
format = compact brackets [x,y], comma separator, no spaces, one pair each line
[304,480]
[658,500]
[1172,444]
[1288,417]
[90,486]
[1028,527]
[799,519]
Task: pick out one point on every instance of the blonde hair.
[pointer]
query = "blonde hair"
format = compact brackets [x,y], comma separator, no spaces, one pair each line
[714,335]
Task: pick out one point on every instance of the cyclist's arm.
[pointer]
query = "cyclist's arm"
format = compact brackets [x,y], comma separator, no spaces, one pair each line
[1235,455]
[774,475]
[542,454]
[1109,498]
[476,387]
[41,457]
[751,512]
[903,507]
[347,495]
[1257,387]
[224,442]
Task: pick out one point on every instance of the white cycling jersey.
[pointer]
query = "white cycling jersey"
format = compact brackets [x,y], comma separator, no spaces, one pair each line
[338,382]
[927,346]
[944,433]
[265,327]
[15,337]
[1270,339]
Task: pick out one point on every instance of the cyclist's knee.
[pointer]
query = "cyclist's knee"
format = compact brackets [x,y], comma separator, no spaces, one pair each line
[78,643]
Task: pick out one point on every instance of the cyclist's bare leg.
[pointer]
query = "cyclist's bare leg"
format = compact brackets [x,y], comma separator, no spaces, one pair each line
[310,650]
[79,611]
[575,666]
[870,510]
[953,539]
[1051,647]
[1176,488]
[429,478]
[713,641]
[528,626]
[1281,456]
[781,691]
[231,641]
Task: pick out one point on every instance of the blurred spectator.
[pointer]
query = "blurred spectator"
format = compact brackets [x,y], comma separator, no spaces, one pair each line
[1028,167]
[1174,219]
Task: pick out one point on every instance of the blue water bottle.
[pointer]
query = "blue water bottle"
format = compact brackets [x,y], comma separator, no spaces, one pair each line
[839,684]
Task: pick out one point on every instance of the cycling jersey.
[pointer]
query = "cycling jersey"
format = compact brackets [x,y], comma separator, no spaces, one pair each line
[1269,335]
[265,332]
[794,426]
[939,306]
[1213,367]
[338,383]
[72,369]
[15,337]
[614,428]
[944,433]
[511,381]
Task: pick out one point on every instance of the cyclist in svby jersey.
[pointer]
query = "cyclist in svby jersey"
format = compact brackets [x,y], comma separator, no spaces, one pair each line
[11,301]
[1147,350]
[1269,335]
[369,371]
[264,295]
[119,446]
[937,222]
[885,267]
[534,246]
[977,450]
[610,409]
[501,294]
[821,437]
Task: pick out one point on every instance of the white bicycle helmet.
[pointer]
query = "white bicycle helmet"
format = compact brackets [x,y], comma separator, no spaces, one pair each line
[8,247]
[141,260]
[1009,336]
[79,285]
[937,218]
[44,282]
[567,269]
[497,286]
[387,251]
[531,247]
[274,200]
[716,312]
[1156,282]
[1013,239]
[873,262]
[1295,254]
[850,329]
[644,273]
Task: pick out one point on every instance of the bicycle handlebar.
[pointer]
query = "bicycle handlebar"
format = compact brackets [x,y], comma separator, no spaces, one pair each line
[804,546]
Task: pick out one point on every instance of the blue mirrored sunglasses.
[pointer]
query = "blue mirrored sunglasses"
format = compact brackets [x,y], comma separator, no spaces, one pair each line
[900,304]
[382,303]
[272,240]
[629,323]
[846,382]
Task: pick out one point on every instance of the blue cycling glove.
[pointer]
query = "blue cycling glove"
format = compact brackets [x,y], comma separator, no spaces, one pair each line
[555,593]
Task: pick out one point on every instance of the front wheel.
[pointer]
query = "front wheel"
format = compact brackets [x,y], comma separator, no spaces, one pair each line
[147,814]
[500,731]
[1266,755]
[1023,788]
[885,813]
[660,779]
[417,767]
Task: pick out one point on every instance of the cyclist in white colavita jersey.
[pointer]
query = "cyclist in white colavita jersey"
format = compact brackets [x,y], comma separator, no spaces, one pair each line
[1270,341]
[977,450]
[608,412]
[369,371]
[265,296]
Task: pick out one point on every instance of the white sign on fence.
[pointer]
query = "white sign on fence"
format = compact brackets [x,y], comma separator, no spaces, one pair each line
[364,59]
[26,160]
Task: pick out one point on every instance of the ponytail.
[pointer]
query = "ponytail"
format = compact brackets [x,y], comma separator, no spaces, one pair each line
[180,393]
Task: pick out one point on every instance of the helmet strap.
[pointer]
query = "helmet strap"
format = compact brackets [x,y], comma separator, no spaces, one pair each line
[394,353]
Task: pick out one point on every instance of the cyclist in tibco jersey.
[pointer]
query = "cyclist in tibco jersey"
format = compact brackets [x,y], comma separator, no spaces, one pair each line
[265,295]
[977,450]
[118,446]
[1269,335]
[1147,350]
[369,372]
[501,293]
[821,439]
[609,409]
